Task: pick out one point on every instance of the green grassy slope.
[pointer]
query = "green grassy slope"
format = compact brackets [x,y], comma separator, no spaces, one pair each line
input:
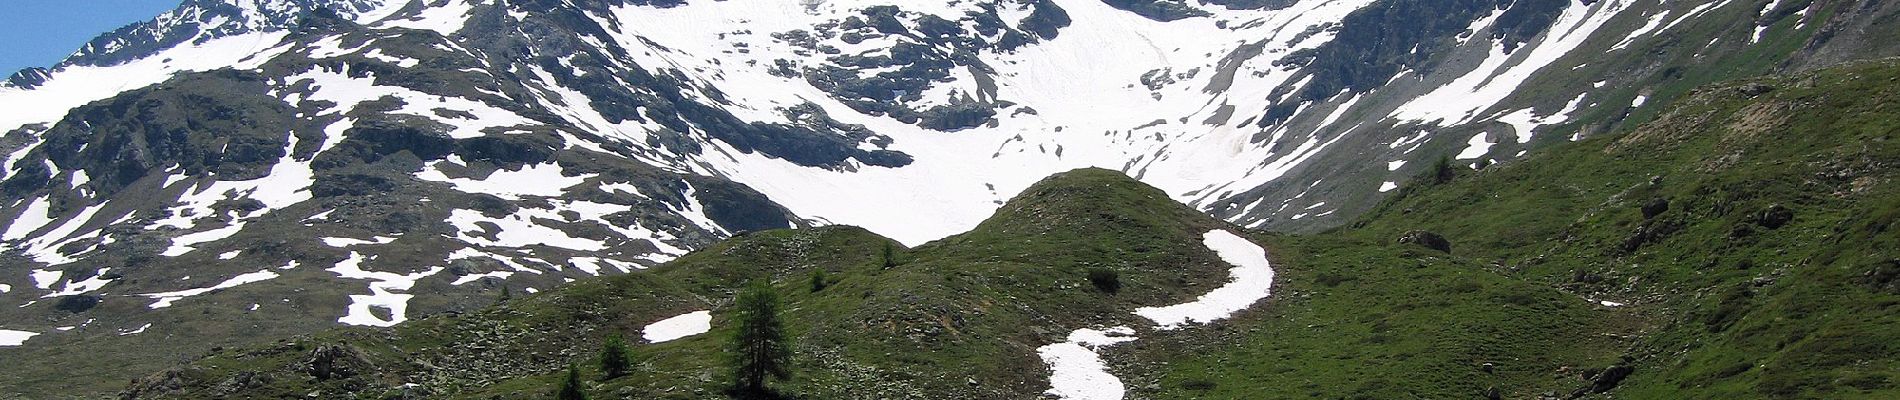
[1770,274]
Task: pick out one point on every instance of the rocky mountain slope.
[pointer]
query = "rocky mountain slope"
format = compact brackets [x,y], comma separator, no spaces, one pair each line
[1737,246]
[240,170]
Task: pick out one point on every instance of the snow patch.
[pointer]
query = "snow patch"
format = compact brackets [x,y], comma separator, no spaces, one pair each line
[167,298]
[9,338]
[1475,148]
[1077,372]
[383,292]
[670,329]
[544,180]
[1252,281]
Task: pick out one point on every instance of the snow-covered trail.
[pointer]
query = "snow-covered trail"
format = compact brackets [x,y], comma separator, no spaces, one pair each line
[1077,371]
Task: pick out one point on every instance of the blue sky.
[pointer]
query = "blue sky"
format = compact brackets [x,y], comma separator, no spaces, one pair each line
[39,33]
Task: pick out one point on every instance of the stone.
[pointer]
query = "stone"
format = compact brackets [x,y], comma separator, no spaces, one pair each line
[1429,240]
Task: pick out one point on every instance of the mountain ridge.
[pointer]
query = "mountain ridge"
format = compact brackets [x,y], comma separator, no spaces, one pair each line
[468,148]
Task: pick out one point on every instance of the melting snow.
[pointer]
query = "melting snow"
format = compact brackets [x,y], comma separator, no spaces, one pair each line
[382,292]
[543,180]
[1496,77]
[465,279]
[32,219]
[347,242]
[1477,147]
[73,86]
[517,230]
[44,279]
[1252,281]
[167,298]
[15,338]
[669,329]
[96,282]
[1077,372]
[184,244]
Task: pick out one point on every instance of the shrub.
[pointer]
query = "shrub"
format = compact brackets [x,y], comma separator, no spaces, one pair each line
[1106,280]
[819,280]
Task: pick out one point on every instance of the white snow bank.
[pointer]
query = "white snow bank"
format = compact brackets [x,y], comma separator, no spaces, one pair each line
[347,242]
[44,279]
[1076,372]
[382,292]
[669,329]
[15,338]
[167,298]
[32,219]
[544,180]
[1475,148]
[1253,279]
[186,243]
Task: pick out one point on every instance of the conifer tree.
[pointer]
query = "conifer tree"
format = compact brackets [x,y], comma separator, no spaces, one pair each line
[890,256]
[614,361]
[761,349]
[571,387]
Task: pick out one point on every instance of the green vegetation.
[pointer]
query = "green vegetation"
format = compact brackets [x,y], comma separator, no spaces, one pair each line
[760,348]
[572,388]
[819,280]
[889,256]
[614,360]
[1106,280]
[1758,274]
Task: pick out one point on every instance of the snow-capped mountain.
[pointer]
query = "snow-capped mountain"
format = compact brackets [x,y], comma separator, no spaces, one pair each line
[363,161]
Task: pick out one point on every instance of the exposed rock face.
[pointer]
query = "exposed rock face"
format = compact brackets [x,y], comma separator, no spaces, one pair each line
[335,362]
[1429,240]
[1654,208]
[1773,217]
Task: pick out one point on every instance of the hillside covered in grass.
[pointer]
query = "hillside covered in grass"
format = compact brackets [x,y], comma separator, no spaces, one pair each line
[1740,245]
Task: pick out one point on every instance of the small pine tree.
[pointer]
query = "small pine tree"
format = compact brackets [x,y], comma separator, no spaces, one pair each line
[1442,171]
[571,387]
[506,294]
[819,280]
[614,361]
[890,256]
[761,349]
